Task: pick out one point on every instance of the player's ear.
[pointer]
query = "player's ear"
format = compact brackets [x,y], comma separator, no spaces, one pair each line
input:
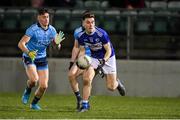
[38,17]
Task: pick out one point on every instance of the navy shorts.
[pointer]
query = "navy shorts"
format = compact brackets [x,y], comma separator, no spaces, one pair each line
[40,63]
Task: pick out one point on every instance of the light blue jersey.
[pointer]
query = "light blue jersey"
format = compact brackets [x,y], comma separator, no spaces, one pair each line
[95,42]
[76,33]
[39,39]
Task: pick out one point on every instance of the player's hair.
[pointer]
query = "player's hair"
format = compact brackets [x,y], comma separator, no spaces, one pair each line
[87,14]
[42,11]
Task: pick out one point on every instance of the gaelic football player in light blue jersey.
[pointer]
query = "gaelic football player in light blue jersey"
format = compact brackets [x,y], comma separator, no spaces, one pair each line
[33,45]
[102,55]
[74,71]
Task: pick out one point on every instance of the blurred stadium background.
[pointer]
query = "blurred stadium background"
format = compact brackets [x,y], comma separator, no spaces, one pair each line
[146,41]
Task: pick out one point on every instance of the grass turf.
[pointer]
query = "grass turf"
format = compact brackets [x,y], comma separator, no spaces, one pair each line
[102,107]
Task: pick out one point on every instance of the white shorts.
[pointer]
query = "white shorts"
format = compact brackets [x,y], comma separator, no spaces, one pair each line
[108,68]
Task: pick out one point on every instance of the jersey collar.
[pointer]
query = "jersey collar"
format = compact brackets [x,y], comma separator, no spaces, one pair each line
[39,25]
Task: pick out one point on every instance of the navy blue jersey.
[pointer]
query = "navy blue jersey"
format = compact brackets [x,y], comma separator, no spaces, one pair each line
[95,42]
[76,32]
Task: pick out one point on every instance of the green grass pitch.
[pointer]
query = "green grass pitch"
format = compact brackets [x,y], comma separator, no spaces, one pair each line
[56,106]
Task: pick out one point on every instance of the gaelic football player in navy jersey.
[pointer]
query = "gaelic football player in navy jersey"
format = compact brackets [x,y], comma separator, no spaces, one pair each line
[102,55]
[33,45]
[74,71]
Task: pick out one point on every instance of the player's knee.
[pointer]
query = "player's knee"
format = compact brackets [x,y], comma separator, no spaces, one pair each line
[32,83]
[86,82]
[34,78]
[43,87]
[111,87]
[71,76]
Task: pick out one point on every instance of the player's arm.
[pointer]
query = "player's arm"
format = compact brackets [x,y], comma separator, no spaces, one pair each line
[74,54]
[107,47]
[107,55]
[81,53]
[75,51]
[81,50]
[22,45]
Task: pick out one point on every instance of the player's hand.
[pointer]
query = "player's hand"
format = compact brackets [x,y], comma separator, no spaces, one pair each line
[102,62]
[59,38]
[70,65]
[32,54]
[99,71]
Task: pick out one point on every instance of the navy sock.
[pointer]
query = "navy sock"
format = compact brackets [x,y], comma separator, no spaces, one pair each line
[78,95]
[28,90]
[35,100]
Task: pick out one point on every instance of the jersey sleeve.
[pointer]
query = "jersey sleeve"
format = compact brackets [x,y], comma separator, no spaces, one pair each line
[105,38]
[75,35]
[54,32]
[29,32]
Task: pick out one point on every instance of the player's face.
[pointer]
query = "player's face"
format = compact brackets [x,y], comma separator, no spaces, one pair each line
[89,25]
[44,19]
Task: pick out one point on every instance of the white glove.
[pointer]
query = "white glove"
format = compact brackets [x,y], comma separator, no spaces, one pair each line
[59,38]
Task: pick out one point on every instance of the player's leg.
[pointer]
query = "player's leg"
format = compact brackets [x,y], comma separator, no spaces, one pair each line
[43,73]
[121,88]
[73,73]
[33,78]
[112,82]
[88,76]
[43,85]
